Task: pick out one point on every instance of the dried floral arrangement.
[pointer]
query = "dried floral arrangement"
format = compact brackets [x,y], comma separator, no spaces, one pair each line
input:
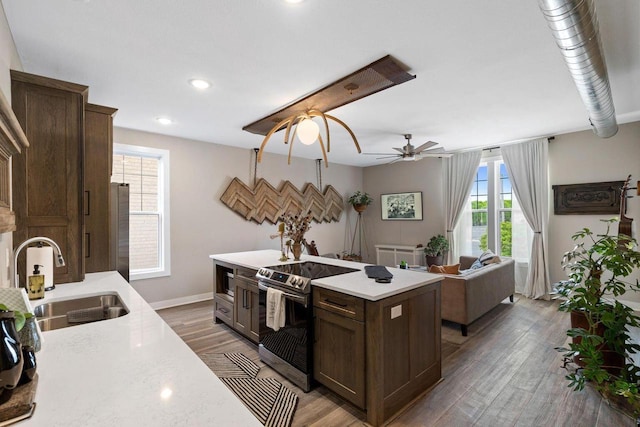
[295,226]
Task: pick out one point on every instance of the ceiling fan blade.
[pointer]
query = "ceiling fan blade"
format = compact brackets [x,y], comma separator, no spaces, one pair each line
[389,156]
[396,160]
[381,154]
[434,150]
[431,154]
[426,145]
[399,149]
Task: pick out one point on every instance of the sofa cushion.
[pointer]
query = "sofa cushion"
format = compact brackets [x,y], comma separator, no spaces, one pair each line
[476,265]
[487,257]
[445,269]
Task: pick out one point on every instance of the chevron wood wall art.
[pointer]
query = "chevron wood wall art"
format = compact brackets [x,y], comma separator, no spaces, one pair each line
[264,202]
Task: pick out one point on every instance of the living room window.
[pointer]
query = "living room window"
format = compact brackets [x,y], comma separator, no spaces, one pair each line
[493,219]
[146,170]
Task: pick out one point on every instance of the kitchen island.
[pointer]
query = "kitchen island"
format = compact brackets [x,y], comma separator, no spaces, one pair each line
[376,345]
[129,371]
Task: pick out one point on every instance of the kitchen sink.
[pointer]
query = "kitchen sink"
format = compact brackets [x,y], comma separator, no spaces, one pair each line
[79,311]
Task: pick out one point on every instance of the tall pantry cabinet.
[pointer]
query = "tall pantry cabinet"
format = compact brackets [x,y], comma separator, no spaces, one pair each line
[98,161]
[47,177]
[50,177]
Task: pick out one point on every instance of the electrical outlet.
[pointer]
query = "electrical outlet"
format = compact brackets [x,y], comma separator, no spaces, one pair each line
[396,311]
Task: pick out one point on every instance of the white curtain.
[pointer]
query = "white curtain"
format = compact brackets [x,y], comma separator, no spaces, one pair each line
[521,240]
[459,171]
[527,166]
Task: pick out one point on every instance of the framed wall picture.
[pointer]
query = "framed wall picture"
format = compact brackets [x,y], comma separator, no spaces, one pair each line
[402,206]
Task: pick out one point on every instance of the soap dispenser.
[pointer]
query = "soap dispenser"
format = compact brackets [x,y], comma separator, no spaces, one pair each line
[36,283]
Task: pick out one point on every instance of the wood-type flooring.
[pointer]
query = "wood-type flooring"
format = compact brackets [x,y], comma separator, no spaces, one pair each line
[505,373]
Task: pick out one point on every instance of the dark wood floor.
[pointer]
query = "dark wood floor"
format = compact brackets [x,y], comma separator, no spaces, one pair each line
[505,373]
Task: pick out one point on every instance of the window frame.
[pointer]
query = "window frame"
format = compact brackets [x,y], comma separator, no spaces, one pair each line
[494,196]
[164,238]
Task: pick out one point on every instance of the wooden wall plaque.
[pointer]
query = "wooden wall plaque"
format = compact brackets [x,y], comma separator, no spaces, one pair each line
[598,198]
[265,202]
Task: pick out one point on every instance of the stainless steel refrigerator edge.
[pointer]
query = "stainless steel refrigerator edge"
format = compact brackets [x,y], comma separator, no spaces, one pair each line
[119,251]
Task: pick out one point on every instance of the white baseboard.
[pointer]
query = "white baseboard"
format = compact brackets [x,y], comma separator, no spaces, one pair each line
[159,305]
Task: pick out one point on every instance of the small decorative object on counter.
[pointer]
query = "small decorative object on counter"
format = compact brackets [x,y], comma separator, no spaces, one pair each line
[36,283]
[294,228]
[11,361]
[403,265]
[283,256]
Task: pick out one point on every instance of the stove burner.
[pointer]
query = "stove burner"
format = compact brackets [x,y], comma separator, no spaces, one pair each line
[298,276]
[312,270]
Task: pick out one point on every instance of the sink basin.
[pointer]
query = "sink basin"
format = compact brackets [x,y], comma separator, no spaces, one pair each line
[79,311]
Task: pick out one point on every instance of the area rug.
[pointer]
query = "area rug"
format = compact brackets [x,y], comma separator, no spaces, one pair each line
[271,403]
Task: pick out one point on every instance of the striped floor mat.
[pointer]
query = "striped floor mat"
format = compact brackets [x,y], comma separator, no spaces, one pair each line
[272,403]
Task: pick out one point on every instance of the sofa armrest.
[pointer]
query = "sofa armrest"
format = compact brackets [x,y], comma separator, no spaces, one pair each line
[466,261]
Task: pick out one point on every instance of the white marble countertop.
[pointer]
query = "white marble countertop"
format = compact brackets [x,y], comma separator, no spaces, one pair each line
[130,371]
[356,283]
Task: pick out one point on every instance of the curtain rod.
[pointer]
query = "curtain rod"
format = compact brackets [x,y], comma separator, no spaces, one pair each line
[550,138]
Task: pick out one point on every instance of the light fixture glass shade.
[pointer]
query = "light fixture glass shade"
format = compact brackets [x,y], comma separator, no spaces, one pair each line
[199,83]
[307,131]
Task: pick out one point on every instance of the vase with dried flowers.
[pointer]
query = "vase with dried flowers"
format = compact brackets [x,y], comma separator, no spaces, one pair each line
[294,228]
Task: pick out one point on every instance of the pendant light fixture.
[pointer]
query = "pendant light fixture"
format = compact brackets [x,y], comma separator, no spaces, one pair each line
[303,123]
[299,115]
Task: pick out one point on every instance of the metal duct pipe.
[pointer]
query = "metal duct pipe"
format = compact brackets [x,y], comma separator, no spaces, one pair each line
[575,28]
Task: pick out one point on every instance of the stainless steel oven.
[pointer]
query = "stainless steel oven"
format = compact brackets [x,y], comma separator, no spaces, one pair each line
[289,350]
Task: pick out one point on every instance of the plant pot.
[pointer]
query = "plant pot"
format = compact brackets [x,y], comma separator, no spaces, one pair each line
[613,362]
[360,208]
[434,260]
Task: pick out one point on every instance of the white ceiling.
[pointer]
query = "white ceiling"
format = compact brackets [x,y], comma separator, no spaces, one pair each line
[488,72]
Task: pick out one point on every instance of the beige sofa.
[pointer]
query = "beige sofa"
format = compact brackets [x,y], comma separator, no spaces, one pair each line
[467,297]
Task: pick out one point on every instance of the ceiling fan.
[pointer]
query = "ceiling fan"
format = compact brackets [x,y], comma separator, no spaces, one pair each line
[411,153]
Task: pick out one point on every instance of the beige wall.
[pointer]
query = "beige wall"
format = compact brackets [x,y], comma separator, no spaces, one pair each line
[582,157]
[425,176]
[8,60]
[201,225]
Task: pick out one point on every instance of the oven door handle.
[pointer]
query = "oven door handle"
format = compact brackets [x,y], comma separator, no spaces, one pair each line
[286,294]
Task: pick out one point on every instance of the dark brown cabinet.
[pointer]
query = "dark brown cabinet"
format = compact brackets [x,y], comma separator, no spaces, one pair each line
[223,293]
[379,355]
[236,299]
[97,181]
[48,176]
[246,304]
[339,344]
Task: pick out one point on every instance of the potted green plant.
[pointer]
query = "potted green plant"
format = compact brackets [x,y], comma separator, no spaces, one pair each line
[360,200]
[598,268]
[435,250]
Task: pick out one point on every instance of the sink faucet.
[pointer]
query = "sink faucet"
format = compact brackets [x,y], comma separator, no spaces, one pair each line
[48,241]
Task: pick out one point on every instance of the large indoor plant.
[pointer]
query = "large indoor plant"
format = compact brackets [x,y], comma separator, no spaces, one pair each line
[599,266]
[360,200]
[435,250]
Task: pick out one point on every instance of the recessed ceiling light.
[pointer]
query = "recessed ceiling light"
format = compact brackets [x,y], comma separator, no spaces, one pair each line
[164,120]
[199,83]
[294,1]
